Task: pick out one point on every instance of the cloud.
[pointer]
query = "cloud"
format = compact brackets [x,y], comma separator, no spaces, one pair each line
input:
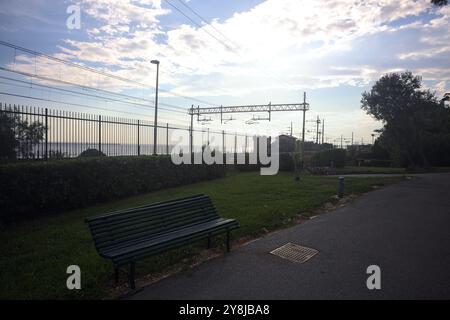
[277,45]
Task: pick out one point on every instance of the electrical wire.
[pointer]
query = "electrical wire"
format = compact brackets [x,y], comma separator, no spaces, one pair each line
[76,65]
[70,103]
[199,26]
[87,88]
[221,42]
[205,21]
[75,93]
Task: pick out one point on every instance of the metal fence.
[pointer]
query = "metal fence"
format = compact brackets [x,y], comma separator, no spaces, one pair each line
[50,134]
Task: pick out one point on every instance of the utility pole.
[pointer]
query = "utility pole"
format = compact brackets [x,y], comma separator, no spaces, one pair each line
[291,128]
[341,141]
[352,138]
[303,129]
[323,130]
[373,135]
[317,130]
[191,130]
[155,125]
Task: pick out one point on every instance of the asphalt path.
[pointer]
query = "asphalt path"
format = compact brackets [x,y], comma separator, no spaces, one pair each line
[403,228]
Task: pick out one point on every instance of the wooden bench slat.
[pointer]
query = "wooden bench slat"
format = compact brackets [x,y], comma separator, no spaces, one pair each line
[167,245]
[149,214]
[117,215]
[162,223]
[143,233]
[128,235]
[134,246]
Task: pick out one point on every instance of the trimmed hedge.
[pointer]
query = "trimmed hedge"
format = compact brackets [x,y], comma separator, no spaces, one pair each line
[286,163]
[329,158]
[91,153]
[377,163]
[39,188]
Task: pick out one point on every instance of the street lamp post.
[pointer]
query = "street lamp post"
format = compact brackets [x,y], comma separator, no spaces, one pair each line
[155,125]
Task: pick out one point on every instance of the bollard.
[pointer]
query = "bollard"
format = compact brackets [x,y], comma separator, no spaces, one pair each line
[341,185]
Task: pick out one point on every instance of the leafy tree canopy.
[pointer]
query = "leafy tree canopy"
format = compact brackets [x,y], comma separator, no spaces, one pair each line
[416,127]
[439,2]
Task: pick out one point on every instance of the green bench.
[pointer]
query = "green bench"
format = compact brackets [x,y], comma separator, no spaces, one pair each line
[127,236]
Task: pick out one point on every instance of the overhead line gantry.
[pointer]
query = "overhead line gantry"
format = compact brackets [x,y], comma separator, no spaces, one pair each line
[269,108]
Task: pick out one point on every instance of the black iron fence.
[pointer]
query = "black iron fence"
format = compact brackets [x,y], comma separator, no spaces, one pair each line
[42,133]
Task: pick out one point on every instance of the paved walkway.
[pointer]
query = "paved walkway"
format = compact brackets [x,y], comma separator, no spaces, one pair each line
[404,228]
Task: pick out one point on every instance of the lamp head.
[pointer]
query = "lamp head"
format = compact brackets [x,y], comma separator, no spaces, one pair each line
[154,61]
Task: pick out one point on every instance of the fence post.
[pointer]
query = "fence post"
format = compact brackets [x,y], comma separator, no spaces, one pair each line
[223,146]
[167,138]
[100,133]
[191,132]
[257,149]
[138,143]
[341,186]
[245,151]
[46,134]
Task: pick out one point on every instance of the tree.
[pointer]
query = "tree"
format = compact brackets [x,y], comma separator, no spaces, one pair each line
[8,142]
[28,135]
[91,153]
[412,118]
[297,158]
[18,135]
[445,99]
[439,2]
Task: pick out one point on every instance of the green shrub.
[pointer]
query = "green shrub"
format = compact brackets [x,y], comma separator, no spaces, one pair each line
[286,163]
[40,188]
[91,153]
[377,163]
[329,158]
[247,166]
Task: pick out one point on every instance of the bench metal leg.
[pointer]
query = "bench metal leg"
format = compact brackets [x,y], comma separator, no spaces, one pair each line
[131,275]
[116,274]
[228,240]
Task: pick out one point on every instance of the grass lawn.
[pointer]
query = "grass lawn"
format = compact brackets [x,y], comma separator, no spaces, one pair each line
[35,254]
[356,169]
[388,170]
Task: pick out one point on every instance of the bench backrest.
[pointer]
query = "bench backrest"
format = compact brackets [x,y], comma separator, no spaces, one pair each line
[150,221]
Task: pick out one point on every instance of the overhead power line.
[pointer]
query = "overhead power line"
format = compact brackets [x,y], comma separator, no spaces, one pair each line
[106,74]
[69,63]
[87,88]
[222,42]
[205,21]
[70,103]
[199,25]
[27,74]
[84,106]
[74,93]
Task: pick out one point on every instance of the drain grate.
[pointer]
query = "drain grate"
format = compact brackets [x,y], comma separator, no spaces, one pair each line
[295,252]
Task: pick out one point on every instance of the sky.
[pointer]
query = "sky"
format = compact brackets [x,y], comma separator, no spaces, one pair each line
[215,52]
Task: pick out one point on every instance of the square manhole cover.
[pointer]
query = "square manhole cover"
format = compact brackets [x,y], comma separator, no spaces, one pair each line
[295,252]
